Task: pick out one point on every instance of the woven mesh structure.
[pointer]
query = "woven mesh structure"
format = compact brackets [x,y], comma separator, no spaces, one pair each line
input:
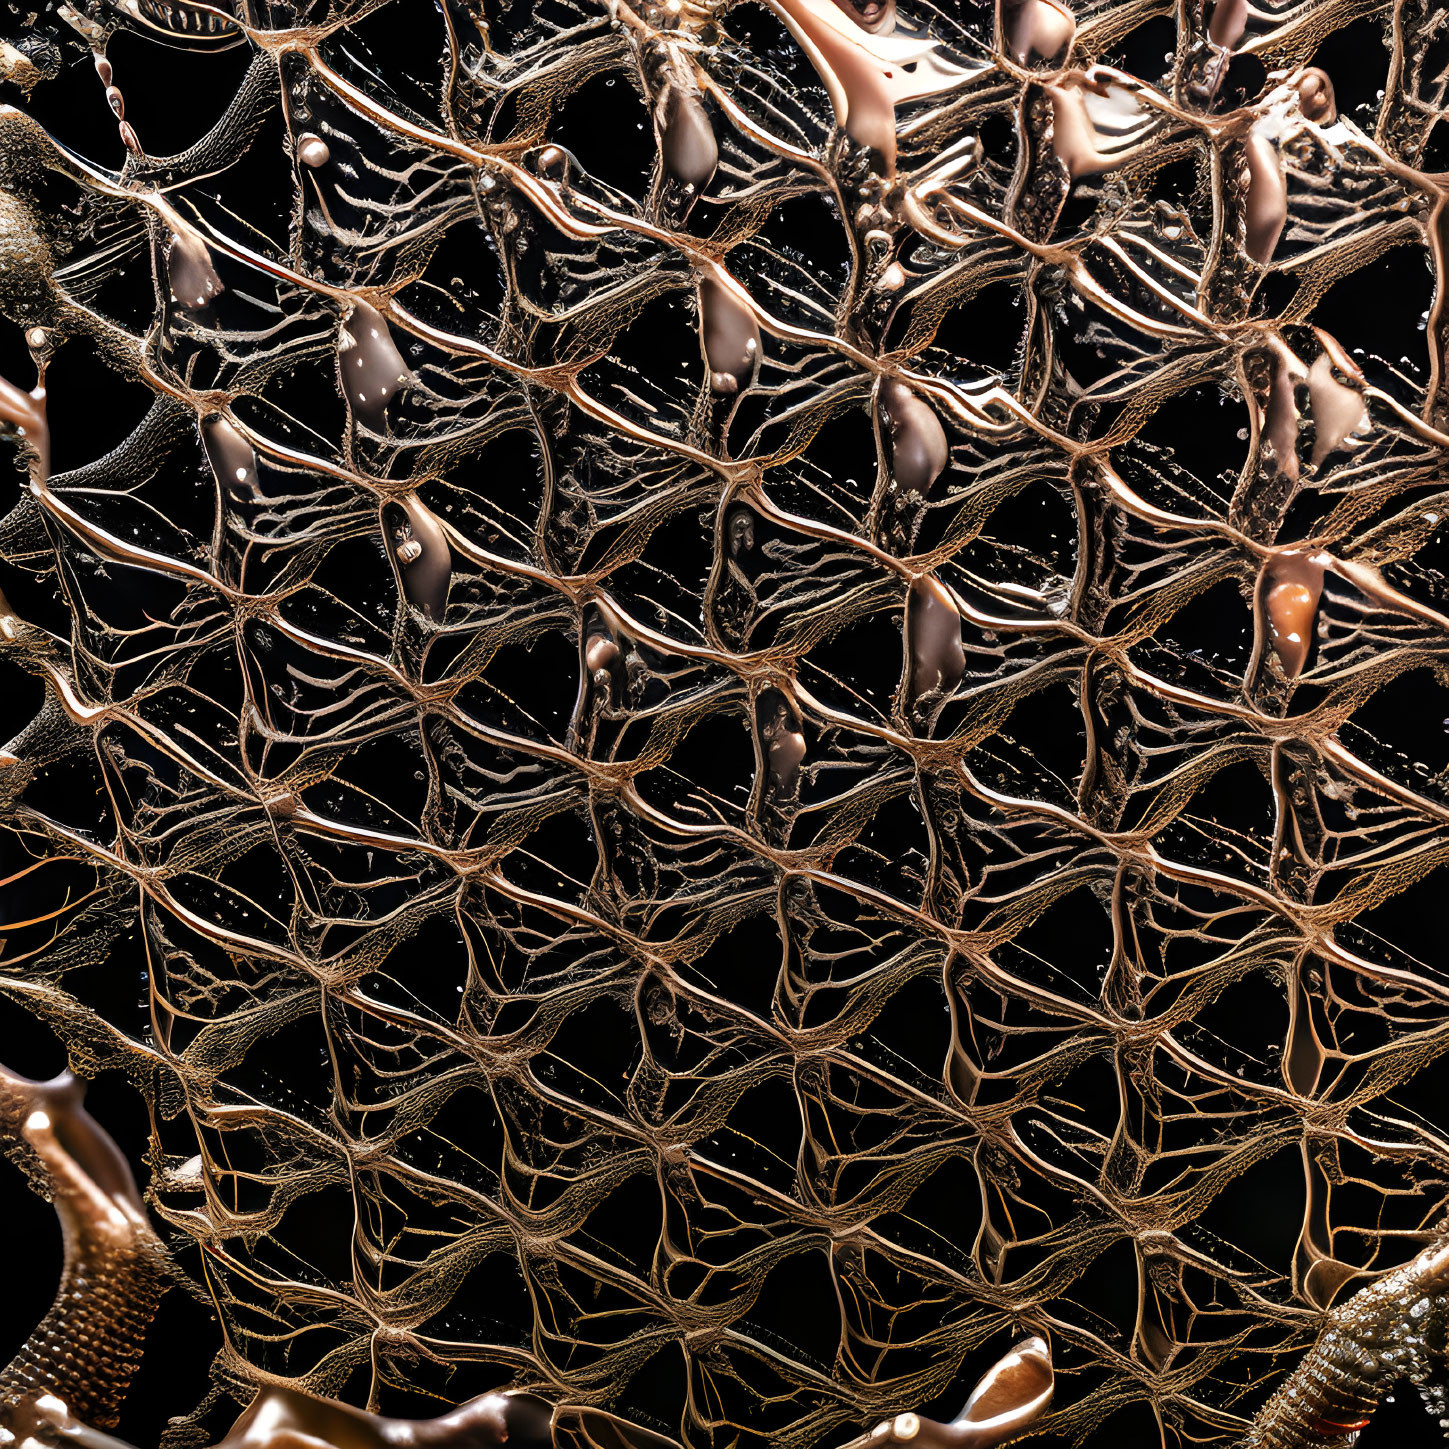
[725,702]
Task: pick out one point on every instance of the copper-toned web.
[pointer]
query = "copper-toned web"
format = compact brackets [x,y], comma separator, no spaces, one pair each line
[732,703]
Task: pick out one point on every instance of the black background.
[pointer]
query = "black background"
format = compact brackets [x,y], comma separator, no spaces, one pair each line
[1375,313]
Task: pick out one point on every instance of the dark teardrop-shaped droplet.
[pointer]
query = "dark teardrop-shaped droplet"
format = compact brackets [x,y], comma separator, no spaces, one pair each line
[686,139]
[1229,19]
[730,335]
[918,441]
[193,279]
[938,659]
[233,460]
[1267,201]
[784,745]
[1037,32]
[1291,586]
[372,368]
[424,559]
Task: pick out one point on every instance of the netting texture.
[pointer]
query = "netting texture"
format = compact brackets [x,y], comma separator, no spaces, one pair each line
[726,701]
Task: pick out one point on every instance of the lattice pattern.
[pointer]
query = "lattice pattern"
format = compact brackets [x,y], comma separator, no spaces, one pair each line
[728,865]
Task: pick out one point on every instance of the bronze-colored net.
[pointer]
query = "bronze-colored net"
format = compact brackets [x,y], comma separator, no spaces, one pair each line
[726,868]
